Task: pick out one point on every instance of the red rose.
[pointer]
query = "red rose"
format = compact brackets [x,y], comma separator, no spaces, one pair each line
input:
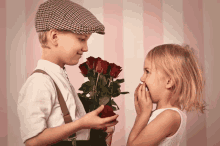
[115,70]
[107,112]
[101,66]
[91,62]
[83,68]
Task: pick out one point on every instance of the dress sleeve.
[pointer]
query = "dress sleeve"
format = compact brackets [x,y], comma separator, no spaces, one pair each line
[35,102]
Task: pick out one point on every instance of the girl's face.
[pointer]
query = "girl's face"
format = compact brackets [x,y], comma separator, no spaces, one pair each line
[155,80]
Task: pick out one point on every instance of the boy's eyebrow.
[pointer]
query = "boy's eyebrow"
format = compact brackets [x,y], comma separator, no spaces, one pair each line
[83,35]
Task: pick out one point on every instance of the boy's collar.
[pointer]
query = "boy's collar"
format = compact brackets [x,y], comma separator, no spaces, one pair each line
[45,64]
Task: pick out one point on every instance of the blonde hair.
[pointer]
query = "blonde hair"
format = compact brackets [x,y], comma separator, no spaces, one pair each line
[181,65]
[42,36]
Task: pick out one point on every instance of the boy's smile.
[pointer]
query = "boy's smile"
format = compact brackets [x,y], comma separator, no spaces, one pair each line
[66,48]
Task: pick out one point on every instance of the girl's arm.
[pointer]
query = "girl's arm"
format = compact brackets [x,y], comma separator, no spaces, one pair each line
[140,123]
[53,135]
[161,127]
[152,134]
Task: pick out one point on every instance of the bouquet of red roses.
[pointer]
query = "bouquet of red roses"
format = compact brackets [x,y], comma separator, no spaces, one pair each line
[102,86]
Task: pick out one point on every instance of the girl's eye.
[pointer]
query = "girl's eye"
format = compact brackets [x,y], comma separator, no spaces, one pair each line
[147,71]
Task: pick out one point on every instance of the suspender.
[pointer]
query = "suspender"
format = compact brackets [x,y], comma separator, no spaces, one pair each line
[66,115]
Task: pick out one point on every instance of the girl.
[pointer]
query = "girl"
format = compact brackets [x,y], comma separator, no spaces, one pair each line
[175,83]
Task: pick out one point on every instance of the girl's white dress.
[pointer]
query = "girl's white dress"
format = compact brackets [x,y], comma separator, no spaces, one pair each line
[175,139]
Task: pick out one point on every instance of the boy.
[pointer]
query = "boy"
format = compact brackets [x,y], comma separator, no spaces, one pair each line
[64,28]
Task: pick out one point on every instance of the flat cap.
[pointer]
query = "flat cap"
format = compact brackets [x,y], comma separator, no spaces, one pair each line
[66,15]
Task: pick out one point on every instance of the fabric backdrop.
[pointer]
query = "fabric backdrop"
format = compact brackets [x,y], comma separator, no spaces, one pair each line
[133,27]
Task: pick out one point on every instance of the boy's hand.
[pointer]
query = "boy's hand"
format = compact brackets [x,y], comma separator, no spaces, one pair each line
[93,121]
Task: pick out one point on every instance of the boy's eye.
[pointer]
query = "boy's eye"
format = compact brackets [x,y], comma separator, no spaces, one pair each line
[82,40]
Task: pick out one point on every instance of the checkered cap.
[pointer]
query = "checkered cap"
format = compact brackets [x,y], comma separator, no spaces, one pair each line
[66,15]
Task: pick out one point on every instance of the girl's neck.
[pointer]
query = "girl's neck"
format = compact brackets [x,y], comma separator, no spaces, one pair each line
[162,106]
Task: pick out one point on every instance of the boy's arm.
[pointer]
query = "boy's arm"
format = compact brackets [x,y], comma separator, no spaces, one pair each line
[53,135]
[152,134]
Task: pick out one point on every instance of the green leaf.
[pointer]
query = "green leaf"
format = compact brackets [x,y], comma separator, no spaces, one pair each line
[119,80]
[104,100]
[116,92]
[114,108]
[113,103]
[124,92]
[102,80]
[86,87]
[104,91]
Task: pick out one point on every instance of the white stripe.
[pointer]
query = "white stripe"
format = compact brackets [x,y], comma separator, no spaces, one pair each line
[173,29]
[173,21]
[133,56]
[16,64]
[211,54]
[96,41]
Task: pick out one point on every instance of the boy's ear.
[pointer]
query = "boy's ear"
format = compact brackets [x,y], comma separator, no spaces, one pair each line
[170,83]
[53,36]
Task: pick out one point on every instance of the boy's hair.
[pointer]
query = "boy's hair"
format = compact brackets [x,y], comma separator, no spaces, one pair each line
[181,65]
[43,38]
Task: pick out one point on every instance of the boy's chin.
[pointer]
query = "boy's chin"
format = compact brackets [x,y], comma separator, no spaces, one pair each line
[72,63]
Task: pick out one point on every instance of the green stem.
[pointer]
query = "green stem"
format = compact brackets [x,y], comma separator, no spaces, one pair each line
[96,88]
[109,81]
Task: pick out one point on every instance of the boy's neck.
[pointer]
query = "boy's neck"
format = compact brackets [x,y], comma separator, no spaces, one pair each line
[53,61]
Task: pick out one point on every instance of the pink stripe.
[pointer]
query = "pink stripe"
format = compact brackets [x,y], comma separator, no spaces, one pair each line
[153,27]
[113,53]
[193,35]
[33,48]
[3,93]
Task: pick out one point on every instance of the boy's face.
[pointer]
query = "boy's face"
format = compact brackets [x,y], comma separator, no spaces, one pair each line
[71,47]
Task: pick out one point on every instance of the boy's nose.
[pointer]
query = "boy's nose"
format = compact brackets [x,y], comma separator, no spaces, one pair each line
[85,48]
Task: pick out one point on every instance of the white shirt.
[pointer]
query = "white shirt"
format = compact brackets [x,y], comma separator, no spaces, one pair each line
[38,106]
[175,139]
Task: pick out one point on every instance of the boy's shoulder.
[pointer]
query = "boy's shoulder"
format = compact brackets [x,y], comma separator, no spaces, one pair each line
[37,80]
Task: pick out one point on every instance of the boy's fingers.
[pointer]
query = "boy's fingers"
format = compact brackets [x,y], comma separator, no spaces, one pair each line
[99,109]
[109,119]
[111,124]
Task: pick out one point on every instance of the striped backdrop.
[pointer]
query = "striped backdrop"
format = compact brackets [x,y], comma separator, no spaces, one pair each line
[133,27]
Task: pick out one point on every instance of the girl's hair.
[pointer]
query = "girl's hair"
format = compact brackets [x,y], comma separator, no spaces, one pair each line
[181,65]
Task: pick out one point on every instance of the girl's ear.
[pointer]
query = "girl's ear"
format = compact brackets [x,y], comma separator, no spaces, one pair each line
[170,83]
[53,37]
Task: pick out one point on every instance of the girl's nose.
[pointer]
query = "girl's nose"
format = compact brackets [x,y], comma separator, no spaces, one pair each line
[142,79]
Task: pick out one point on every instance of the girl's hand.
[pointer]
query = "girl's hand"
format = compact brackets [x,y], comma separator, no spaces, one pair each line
[143,100]
[93,121]
[136,104]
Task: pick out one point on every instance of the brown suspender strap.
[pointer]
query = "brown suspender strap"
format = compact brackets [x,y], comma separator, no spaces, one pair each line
[66,115]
